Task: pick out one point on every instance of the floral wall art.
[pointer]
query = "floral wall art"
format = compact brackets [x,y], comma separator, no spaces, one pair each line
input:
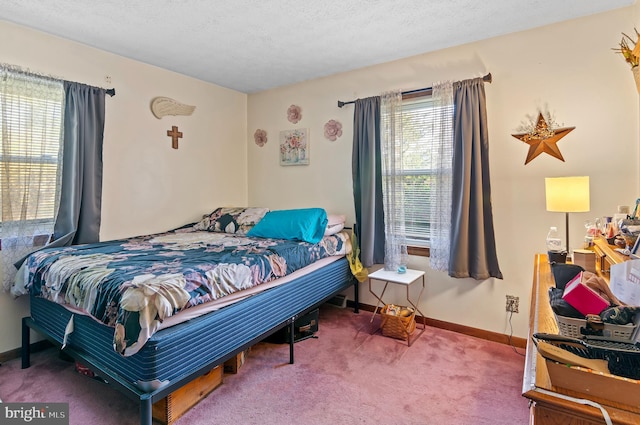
[294,114]
[294,147]
[332,130]
[260,137]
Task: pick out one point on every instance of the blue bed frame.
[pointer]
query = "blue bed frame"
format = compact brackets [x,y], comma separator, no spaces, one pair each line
[183,352]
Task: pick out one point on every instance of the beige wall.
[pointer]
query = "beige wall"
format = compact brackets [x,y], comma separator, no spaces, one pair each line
[148,186]
[567,68]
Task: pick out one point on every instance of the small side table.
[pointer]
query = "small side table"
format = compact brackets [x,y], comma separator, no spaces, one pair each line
[405,279]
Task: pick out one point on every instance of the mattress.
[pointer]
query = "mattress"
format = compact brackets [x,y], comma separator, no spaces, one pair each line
[177,351]
[135,284]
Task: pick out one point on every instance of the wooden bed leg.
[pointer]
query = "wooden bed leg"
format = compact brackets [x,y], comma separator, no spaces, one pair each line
[26,344]
[145,411]
[292,328]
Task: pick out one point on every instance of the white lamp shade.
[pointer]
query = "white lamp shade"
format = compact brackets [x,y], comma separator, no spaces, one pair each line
[567,194]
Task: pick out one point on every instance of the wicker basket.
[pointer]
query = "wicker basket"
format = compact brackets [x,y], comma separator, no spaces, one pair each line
[394,326]
[579,328]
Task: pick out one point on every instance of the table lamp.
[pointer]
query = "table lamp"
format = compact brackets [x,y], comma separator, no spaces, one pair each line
[567,194]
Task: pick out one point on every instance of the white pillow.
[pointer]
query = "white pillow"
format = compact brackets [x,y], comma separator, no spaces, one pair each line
[332,230]
[335,224]
[333,219]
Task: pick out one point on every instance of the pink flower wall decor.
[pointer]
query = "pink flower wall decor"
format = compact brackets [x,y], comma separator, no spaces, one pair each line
[332,130]
[294,114]
[260,136]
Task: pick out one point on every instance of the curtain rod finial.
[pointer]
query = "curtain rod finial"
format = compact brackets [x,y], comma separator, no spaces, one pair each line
[488,78]
[340,104]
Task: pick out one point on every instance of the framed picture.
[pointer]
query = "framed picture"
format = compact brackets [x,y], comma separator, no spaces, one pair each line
[294,147]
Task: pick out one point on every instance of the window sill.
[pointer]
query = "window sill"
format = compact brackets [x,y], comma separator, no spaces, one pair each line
[421,251]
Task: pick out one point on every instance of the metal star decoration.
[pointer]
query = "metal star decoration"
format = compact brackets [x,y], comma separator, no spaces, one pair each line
[543,139]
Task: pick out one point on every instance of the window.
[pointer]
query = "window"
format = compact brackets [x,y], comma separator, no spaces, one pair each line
[424,126]
[31,114]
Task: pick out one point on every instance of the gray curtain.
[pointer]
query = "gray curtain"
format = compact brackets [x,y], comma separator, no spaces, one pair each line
[78,219]
[473,247]
[367,180]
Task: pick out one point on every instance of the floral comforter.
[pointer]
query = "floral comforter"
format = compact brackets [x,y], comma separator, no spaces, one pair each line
[134,284]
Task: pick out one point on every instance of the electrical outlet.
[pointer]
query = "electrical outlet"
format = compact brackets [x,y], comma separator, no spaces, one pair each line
[512,303]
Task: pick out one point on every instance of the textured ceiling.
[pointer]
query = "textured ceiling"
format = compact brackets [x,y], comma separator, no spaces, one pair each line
[251,45]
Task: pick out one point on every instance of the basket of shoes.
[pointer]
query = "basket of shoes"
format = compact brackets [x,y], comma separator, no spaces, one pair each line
[397,321]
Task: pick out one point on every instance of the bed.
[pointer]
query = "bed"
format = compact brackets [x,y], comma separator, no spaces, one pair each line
[150,314]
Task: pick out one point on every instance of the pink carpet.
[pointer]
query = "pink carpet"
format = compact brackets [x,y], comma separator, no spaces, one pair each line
[346,376]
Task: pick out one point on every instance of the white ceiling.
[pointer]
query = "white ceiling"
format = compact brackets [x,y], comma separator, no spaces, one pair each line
[253,45]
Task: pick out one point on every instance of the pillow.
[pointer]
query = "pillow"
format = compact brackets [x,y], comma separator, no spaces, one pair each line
[306,224]
[335,223]
[333,229]
[334,219]
[231,219]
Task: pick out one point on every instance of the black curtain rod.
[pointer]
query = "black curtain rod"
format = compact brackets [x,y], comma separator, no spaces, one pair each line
[487,78]
[110,92]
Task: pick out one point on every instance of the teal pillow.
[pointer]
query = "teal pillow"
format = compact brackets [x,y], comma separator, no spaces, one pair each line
[306,224]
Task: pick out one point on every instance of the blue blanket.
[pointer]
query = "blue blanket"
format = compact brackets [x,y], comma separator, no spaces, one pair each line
[134,284]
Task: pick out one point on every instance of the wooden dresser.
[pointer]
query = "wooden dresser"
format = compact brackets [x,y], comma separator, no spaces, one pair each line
[547,406]
[606,256]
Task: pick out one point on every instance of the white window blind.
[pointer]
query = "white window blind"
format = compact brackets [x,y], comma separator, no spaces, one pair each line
[31,124]
[423,128]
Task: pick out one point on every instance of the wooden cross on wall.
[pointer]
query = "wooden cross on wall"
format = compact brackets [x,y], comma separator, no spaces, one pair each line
[175,135]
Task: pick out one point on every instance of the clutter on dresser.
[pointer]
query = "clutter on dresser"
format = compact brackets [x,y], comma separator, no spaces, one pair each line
[629,229]
[582,297]
[592,327]
[624,280]
[555,249]
[548,379]
[620,230]
[585,307]
[623,359]
[585,258]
